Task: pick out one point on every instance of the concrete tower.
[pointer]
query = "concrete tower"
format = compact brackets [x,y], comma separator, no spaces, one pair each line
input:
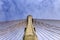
[29,31]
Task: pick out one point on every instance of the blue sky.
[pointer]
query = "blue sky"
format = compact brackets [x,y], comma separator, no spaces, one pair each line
[19,9]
